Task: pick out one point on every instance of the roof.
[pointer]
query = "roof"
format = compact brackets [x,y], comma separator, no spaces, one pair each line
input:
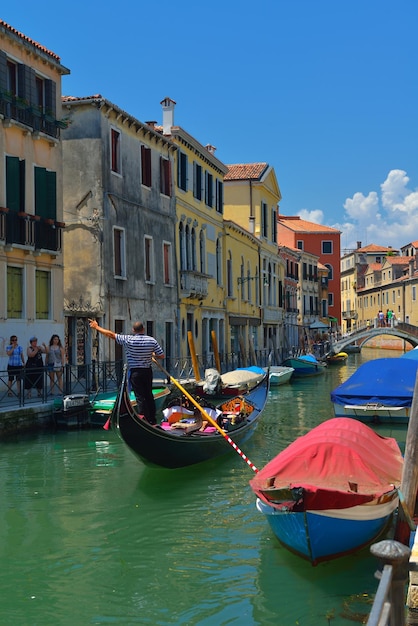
[13,31]
[372,247]
[297,224]
[246,171]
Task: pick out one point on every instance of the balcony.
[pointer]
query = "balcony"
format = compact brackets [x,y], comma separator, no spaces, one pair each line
[40,121]
[193,284]
[349,315]
[30,230]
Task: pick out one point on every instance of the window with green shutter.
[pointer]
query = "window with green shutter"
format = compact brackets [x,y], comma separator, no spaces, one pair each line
[14,292]
[45,193]
[42,287]
[15,184]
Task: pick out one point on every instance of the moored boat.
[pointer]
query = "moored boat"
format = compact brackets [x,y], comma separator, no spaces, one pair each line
[184,437]
[332,491]
[340,357]
[230,384]
[280,374]
[305,365]
[380,390]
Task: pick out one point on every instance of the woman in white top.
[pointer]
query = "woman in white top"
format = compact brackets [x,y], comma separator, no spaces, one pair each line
[55,362]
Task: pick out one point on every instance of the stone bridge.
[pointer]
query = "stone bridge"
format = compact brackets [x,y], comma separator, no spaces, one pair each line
[361,336]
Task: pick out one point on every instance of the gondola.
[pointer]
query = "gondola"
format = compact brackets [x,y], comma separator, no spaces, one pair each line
[183,437]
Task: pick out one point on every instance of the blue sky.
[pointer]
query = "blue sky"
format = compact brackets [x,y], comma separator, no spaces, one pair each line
[325,91]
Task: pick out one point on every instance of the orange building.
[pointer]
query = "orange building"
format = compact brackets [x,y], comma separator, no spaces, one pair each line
[324,242]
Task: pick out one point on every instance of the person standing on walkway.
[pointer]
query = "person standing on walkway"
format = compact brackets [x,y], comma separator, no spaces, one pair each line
[34,369]
[15,364]
[140,349]
[55,362]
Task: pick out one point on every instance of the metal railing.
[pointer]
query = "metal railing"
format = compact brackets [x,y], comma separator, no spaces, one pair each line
[104,376]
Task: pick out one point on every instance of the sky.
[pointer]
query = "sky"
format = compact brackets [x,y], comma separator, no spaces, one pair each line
[324,91]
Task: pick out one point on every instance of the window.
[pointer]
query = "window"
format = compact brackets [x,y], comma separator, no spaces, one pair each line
[146,178]
[45,193]
[219,261]
[264,219]
[165,176]
[327,247]
[182,171]
[167,263]
[219,200]
[14,292]
[119,253]
[11,82]
[209,189]
[230,289]
[115,151]
[330,299]
[197,181]
[414,293]
[149,259]
[42,291]
[299,244]
[330,272]
[274,226]
[202,252]
[15,184]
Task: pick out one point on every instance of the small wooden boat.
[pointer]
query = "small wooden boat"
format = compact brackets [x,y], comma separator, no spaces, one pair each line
[230,384]
[280,374]
[333,359]
[379,391]
[102,406]
[183,438]
[332,491]
[305,365]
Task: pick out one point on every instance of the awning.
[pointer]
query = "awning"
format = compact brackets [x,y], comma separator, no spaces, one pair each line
[318,326]
[333,319]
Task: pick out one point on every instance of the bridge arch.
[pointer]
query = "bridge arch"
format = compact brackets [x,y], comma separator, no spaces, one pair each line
[408,332]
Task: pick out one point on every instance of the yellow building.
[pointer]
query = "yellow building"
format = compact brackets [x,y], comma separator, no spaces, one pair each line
[252,196]
[31,268]
[199,189]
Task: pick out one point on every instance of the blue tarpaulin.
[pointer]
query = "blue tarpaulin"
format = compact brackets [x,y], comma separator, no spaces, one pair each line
[390,382]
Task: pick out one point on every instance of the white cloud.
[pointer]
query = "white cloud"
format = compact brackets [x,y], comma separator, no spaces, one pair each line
[315,216]
[388,219]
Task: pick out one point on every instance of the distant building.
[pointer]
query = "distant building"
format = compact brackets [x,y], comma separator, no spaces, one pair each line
[324,242]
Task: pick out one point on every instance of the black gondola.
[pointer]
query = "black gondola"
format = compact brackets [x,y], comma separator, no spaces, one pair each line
[175,447]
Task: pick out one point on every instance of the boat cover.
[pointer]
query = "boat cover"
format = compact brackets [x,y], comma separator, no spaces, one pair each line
[412,354]
[389,382]
[339,464]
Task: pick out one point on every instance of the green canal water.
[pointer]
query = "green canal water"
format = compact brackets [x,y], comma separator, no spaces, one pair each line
[89,535]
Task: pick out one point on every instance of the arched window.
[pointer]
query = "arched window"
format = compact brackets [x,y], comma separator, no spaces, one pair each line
[202,252]
[331,271]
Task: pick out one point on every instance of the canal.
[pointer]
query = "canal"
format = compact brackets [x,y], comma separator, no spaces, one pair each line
[92,536]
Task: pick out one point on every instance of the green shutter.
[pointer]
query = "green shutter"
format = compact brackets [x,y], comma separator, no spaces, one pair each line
[40,192]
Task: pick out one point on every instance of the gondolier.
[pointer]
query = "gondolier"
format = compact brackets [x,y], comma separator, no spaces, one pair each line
[140,349]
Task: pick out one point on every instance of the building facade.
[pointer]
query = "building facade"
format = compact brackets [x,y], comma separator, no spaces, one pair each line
[119,206]
[31,209]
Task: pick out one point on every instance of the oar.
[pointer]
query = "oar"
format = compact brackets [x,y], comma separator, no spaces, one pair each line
[206,416]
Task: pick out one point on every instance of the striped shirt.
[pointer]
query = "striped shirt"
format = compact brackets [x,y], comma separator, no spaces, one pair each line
[139,349]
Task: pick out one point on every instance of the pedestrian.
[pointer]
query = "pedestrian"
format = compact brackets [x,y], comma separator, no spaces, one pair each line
[15,364]
[55,362]
[381,318]
[140,349]
[34,368]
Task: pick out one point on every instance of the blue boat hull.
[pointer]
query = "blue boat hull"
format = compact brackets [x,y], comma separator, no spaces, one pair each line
[318,536]
[304,367]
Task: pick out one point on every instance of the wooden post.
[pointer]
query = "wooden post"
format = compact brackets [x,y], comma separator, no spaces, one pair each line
[397,555]
[193,355]
[409,483]
[215,350]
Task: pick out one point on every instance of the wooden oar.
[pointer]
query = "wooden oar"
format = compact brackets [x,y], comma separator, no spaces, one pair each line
[206,416]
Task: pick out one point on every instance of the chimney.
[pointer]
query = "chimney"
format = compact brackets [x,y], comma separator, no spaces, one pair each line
[168,115]
[411,267]
[210,148]
[358,245]
[153,123]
